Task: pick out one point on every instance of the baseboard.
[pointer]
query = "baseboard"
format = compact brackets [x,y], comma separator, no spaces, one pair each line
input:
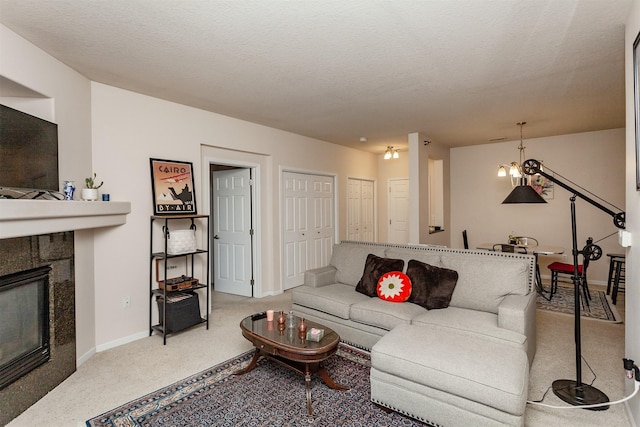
[88,355]
[269,294]
[122,341]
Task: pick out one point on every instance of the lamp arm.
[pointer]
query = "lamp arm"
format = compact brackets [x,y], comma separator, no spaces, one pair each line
[532,167]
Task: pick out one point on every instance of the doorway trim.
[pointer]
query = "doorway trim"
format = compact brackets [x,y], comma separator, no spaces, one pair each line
[256,203]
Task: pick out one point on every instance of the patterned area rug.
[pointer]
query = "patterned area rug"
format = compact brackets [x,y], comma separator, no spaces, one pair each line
[600,307]
[269,395]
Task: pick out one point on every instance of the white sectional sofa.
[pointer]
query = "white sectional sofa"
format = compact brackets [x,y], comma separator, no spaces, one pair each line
[494,296]
[492,309]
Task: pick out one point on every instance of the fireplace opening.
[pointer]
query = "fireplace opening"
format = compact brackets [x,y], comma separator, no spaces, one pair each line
[24,323]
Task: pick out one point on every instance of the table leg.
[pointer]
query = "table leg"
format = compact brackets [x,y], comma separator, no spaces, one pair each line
[612,264]
[307,380]
[538,282]
[330,382]
[310,368]
[251,364]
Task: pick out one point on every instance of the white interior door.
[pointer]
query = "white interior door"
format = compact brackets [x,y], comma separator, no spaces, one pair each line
[399,210]
[354,209]
[368,211]
[232,261]
[360,210]
[322,219]
[308,224]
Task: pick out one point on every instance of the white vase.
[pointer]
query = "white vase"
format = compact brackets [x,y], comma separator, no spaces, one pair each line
[90,194]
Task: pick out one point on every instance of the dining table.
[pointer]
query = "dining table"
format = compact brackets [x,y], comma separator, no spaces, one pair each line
[534,250]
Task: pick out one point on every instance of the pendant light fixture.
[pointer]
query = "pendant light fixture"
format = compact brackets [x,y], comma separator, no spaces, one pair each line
[522,192]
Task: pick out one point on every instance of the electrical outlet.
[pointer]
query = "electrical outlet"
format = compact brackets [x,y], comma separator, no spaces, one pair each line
[126,302]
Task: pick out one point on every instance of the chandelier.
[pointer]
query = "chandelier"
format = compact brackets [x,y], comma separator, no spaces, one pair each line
[515,168]
[522,192]
[391,153]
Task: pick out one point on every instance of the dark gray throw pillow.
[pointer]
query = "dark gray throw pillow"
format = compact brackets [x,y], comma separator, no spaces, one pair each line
[432,286]
[374,268]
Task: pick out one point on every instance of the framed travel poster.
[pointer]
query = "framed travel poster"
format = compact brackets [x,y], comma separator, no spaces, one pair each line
[173,189]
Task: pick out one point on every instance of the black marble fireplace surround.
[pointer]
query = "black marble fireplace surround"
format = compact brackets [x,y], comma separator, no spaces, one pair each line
[25,253]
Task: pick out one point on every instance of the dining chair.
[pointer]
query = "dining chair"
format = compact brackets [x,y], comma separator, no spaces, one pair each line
[563,268]
[616,275]
[527,241]
[507,247]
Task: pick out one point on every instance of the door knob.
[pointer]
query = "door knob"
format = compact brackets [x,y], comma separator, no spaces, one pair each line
[216,237]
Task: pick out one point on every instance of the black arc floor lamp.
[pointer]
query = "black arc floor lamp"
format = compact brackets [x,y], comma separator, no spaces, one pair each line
[570,391]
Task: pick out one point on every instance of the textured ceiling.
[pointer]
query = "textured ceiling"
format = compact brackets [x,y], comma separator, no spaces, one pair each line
[461,72]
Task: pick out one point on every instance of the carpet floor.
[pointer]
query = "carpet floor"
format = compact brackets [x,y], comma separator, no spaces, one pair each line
[600,306]
[121,374]
[269,395]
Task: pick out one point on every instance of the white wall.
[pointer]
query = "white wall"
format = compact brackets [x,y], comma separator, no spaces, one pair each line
[114,133]
[632,297]
[592,160]
[37,71]
[129,128]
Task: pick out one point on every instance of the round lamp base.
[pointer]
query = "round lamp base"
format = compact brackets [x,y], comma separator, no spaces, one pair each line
[568,391]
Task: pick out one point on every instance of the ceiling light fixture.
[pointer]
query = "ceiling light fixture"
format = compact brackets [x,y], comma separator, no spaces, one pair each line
[391,153]
[515,168]
[522,192]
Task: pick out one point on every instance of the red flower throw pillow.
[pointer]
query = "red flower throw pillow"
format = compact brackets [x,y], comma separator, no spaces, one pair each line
[394,286]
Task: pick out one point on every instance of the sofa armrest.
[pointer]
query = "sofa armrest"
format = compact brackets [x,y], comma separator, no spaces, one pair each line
[518,313]
[322,276]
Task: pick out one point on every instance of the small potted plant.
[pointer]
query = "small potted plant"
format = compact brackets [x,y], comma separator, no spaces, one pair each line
[91,190]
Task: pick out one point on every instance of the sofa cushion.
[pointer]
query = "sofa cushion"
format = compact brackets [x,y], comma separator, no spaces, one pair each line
[483,284]
[384,314]
[334,299]
[478,323]
[374,268]
[432,286]
[349,260]
[394,286]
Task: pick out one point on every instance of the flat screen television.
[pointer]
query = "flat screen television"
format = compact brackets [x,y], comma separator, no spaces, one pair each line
[28,155]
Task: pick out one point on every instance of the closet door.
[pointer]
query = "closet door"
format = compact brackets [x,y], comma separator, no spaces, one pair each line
[360,210]
[354,210]
[368,209]
[323,195]
[308,224]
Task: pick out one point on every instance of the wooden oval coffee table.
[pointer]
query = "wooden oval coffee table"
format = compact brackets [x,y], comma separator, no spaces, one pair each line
[286,347]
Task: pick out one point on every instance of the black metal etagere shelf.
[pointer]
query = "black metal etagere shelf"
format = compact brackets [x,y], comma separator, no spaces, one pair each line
[155,291]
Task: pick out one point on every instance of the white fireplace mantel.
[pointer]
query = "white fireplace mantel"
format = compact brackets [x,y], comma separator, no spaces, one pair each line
[32,217]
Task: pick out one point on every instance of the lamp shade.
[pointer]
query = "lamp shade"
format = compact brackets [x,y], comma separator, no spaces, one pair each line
[524,194]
